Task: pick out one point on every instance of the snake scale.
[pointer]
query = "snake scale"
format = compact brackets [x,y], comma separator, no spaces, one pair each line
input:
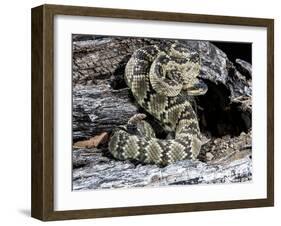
[161,79]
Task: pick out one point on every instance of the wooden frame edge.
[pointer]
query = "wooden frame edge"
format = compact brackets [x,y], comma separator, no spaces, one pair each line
[155,15]
[158,209]
[270,111]
[42,203]
[37,113]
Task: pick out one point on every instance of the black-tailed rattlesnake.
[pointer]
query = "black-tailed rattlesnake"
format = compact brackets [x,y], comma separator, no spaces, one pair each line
[161,80]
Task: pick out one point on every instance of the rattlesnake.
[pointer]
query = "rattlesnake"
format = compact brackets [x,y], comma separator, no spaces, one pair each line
[161,79]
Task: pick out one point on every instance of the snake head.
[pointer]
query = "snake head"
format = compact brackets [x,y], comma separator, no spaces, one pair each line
[197,88]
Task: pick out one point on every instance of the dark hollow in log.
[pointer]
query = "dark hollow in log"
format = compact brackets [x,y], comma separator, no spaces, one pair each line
[218,116]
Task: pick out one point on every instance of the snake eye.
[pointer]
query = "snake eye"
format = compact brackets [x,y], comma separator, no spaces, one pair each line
[174,75]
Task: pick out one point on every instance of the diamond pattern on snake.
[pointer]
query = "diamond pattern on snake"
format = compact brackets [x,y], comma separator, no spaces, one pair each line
[161,79]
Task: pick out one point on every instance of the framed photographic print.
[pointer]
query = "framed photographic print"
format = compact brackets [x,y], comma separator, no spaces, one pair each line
[141,112]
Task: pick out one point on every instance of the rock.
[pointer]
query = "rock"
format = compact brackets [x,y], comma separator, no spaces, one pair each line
[222,148]
[209,156]
[216,141]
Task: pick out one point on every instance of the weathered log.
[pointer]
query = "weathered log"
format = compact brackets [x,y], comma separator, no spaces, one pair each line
[99,109]
[222,160]
[96,171]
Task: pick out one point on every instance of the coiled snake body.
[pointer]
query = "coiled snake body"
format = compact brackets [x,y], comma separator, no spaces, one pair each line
[161,80]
